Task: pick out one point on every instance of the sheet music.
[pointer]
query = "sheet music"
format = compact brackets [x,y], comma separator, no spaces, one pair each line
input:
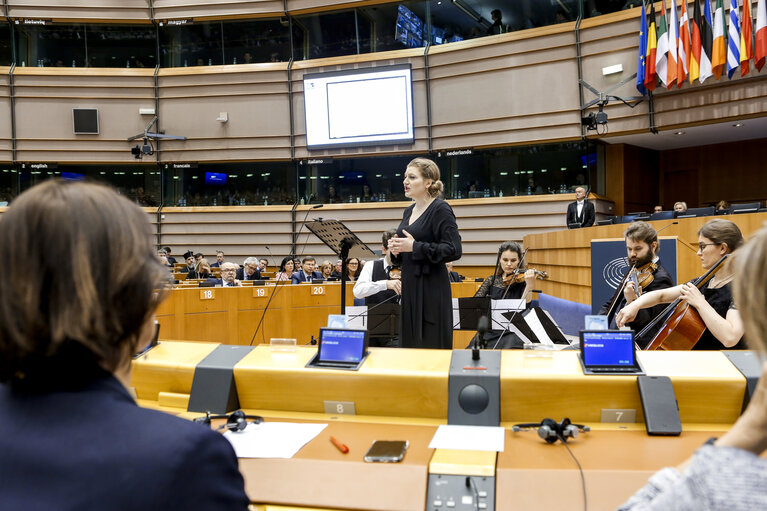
[357,316]
[456,315]
[535,325]
[498,307]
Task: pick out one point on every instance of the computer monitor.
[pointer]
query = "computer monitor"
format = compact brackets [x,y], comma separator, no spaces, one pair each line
[609,352]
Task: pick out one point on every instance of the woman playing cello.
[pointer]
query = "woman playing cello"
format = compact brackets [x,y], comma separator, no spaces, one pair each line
[713,302]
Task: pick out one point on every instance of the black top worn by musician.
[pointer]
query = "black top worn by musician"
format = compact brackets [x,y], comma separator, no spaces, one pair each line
[661,280]
[387,295]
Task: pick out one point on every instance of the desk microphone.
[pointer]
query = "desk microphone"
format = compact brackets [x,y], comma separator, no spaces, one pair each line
[480,339]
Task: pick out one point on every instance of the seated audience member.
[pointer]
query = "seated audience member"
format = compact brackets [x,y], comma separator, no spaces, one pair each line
[249,270]
[352,269]
[729,472]
[263,264]
[201,270]
[219,259]
[190,262]
[337,270]
[326,269]
[657,209]
[228,276]
[376,286]
[307,273]
[66,342]
[724,328]
[680,208]
[722,205]
[163,257]
[581,211]
[171,260]
[297,263]
[198,257]
[642,248]
[286,269]
[452,275]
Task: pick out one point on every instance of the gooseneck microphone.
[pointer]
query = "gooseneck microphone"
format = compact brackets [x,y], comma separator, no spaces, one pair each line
[303,222]
[482,325]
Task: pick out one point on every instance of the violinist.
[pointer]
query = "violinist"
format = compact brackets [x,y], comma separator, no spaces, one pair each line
[507,281]
[642,249]
[723,326]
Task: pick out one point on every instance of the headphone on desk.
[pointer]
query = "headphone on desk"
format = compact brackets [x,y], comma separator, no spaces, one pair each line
[551,430]
[235,421]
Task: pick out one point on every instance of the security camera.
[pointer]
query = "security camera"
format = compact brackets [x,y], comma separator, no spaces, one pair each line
[136,152]
[147,149]
[601,117]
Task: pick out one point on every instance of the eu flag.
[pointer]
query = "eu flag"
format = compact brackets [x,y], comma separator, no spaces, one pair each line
[642,52]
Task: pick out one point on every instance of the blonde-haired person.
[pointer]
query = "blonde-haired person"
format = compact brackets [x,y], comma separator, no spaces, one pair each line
[426,239]
[713,302]
[67,337]
[728,474]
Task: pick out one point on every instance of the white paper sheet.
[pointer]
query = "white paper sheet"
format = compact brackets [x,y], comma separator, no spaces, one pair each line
[469,438]
[272,439]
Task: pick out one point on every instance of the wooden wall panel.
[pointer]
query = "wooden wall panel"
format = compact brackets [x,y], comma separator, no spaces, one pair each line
[173,9]
[255,98]
[128,10]
[6,144]
[45,98]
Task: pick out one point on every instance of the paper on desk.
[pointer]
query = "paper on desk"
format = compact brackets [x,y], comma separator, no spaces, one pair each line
[272,439]
[468,438]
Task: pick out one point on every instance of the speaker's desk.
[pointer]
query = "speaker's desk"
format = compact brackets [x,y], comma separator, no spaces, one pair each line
[402,395]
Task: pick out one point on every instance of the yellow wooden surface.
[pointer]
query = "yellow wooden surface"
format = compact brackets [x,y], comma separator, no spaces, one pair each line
[469,463]
[536,384]
[405,383]
[566,254]
[168,367]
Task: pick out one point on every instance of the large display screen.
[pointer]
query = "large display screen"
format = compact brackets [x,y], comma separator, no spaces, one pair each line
[371,106]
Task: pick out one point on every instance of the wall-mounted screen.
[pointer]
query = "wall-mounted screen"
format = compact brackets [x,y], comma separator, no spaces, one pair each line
[371,106]
[86,121]
[409,28]
[215,178]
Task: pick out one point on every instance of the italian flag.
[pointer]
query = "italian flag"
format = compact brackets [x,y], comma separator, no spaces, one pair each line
[761,34]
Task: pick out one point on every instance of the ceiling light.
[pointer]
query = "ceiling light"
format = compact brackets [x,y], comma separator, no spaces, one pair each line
[738,125]
[679,133]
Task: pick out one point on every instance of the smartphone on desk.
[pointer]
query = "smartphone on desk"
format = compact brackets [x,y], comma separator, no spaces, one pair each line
[661,411]
[386,451]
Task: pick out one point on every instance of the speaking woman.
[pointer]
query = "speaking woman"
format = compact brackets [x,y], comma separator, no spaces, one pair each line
[71,435]
[713,302]
[426,239]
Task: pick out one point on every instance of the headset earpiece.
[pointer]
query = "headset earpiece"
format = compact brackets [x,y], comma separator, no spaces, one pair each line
[235,421]
[551,431]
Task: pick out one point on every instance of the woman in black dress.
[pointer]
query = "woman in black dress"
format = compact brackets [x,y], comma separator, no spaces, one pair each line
[714,303]
[498,286]
[426,239]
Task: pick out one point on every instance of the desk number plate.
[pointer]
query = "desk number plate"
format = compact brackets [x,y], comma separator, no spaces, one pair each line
[619,415]
[207,294]
[340,407]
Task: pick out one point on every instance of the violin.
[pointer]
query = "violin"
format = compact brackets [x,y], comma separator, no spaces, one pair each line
[642,277]
[516,278]
[684,326]
[645,274]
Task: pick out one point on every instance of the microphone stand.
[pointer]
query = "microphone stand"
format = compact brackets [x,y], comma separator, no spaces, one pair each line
[303,222]
[295,240]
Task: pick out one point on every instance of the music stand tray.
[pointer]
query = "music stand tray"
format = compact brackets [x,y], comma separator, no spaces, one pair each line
[383,320]
[470,309]
[344,243]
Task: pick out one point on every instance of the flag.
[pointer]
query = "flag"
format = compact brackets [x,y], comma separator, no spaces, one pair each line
[650,75]
[695,48]
[661,51]
[746,35]
[683,46]
[706,42]
[733,39]
[761,34]
[642,54]
[673,41]
[718,53]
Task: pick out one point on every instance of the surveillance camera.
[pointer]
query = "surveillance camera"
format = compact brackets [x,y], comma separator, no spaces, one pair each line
[601,117]
[146,149]
[136,152]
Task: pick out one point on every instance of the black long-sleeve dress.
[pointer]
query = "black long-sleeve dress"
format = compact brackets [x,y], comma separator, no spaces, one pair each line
[427,309]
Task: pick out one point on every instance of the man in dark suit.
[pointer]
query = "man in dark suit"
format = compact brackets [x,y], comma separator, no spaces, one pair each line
[580,212]
[307,273]
[453,275]
[190,263]
[228,277]
[642,253]
[250,270]
[219,259]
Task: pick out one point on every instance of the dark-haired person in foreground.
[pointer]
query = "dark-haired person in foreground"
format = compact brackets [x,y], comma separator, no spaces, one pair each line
[726,473]
[71,435]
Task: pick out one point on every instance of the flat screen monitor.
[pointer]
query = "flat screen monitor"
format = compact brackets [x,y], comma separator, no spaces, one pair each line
[215,178]
[409,28]
[359,107]
[73,176]
[341,345]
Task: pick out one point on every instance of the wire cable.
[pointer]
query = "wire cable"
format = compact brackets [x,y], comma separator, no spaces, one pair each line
[580,469]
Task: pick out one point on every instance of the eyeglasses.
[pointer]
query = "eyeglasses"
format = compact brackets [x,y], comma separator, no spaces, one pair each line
[230,270]
[702,246]
[352,264]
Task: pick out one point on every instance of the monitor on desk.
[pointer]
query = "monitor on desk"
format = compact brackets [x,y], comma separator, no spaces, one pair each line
[609,352]
[340,347]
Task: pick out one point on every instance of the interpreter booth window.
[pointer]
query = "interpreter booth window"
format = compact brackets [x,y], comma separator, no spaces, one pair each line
[248,42]
[352,180]
[185,44]
[511,171]
[231,184]
[121,45]
[9,184]
[332,34]
[6,51]
[50,45]
[139,183]
[393,26]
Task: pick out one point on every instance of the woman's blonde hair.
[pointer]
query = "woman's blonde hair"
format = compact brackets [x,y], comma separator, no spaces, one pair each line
[749,290]
[429,170]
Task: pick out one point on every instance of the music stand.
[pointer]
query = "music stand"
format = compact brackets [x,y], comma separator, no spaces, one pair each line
[383,320]
[344,243]
[470,309]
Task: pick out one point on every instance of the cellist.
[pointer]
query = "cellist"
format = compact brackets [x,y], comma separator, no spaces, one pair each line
[642,249]
[713,302]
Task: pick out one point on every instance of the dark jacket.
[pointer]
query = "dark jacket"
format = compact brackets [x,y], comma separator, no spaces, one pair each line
[587,217]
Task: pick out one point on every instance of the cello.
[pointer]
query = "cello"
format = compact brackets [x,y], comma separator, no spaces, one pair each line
[684,326]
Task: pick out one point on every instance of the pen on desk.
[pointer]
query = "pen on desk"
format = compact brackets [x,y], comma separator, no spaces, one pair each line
[341,447]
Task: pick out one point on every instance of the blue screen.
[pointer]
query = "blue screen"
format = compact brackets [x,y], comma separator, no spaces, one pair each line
[342,345]
[409,28]
[608,348]
[73,176]
[215,178]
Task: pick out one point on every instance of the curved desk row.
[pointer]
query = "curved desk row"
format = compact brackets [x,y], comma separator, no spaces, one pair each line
[403,395]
